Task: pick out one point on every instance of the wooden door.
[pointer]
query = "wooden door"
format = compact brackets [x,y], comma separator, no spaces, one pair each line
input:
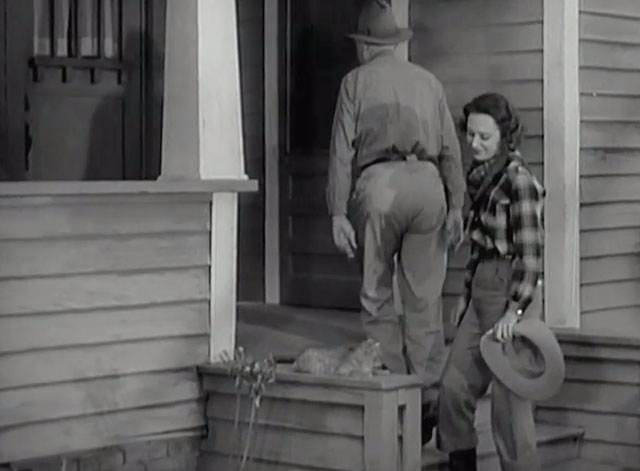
[316,55]
[84,90]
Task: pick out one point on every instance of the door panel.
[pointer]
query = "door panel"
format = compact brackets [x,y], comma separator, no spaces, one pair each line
[317,55]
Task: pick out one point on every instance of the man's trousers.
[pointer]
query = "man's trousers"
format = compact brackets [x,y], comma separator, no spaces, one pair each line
[399,208]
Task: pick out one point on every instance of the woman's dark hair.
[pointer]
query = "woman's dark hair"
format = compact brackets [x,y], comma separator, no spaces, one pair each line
[503,113]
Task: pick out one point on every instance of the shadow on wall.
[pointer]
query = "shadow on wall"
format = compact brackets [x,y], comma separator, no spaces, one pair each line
[111,141]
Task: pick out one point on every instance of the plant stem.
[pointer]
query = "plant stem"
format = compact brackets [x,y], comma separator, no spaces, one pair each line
[235,435]
[248,440]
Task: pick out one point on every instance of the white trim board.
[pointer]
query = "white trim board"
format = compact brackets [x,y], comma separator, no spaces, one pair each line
[271,154]
[561,163]
[202,135]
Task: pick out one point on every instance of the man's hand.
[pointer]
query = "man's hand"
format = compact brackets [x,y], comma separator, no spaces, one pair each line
[503,330]
[459,310]
[344,237]
[455,228]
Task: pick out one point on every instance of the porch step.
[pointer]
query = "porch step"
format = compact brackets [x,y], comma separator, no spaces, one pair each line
[556,445]
[584,465]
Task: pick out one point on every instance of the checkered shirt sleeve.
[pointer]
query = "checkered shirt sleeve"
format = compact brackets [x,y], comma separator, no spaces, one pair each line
[527,233]
[472,264]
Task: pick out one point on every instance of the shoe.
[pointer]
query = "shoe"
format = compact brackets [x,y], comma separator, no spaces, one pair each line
[429,421]
[463,460]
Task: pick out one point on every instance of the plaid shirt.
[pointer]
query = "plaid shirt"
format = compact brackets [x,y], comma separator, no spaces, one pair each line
[511,223]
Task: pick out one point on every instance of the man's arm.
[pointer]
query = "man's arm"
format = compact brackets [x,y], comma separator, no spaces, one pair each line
[341,150]
[450,157]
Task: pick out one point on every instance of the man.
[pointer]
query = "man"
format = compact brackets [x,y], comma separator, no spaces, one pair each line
[393,133]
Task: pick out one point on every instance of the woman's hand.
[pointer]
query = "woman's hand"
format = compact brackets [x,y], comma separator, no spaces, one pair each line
[503,329]
[459,310]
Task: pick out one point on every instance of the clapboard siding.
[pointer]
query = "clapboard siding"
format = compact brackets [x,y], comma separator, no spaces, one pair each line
[88,431]
[103,326]
[104,314]
[473,47]
[59,401]
[600,395]
[610,164]
[251,205]
[600,321]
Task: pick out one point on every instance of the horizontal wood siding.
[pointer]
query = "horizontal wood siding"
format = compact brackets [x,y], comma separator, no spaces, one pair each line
[104,314]
[600,395]
[251,205]
[610,165]
[476,46]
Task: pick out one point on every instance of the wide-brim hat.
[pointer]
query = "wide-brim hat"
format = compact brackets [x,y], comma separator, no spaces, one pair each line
[507,365]
[377,25]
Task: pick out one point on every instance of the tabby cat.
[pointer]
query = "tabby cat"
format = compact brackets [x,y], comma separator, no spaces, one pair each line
[363,361]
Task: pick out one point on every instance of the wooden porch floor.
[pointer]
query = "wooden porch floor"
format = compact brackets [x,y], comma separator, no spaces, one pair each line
[285,331]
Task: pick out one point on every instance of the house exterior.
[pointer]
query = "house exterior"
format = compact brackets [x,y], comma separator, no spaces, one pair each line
[134,279]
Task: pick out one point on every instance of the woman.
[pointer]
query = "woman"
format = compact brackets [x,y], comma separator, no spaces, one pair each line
[503,272]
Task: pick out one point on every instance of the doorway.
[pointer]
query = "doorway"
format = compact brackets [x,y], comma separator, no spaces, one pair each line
[316,54]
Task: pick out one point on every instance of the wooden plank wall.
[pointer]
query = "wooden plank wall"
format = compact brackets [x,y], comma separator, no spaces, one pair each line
[610,165]
[475,46]
[104,314]
[600,395]
[251,205]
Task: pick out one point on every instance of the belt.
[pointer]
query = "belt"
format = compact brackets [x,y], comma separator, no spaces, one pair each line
[398,158]
[491,254]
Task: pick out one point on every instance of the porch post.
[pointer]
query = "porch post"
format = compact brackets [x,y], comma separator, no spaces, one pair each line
[561,163]
[271,152]
[202,134]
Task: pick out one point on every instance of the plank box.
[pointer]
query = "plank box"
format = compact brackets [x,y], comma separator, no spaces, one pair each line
[316,423]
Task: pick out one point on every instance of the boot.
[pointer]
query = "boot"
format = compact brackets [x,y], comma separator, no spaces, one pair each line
[429,421]
[463,460]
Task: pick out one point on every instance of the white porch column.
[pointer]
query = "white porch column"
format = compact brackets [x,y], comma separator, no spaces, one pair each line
[561,163]
[202,133]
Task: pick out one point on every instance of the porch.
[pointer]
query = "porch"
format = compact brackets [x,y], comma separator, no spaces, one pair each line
[579,429]
[132,400]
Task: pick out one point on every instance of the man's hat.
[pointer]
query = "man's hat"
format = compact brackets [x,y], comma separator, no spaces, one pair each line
[507,361]
[377,25]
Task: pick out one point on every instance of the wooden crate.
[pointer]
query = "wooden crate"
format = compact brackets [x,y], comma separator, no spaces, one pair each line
[317,423]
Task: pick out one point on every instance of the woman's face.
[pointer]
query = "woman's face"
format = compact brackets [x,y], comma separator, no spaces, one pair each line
[483,136]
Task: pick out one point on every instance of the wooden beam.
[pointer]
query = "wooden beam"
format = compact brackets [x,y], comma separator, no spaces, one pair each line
[271,153]
[561,163]
[202,134]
